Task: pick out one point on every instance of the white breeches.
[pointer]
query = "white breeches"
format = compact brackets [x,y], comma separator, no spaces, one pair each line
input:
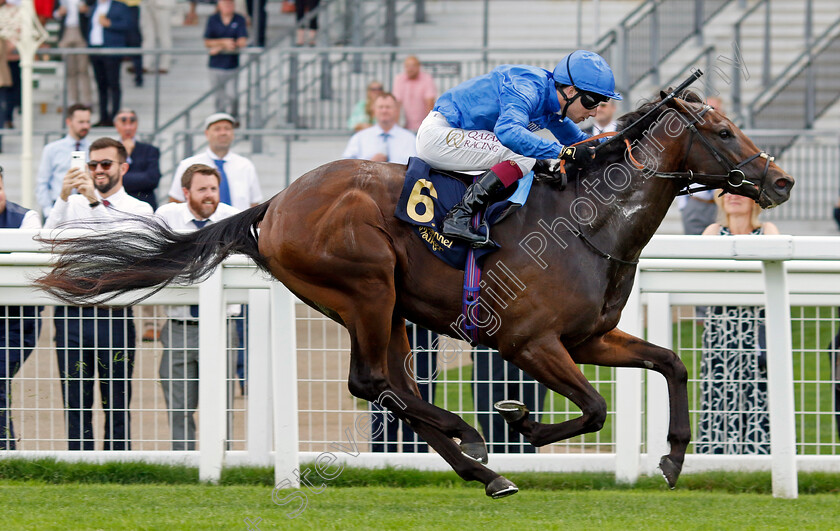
[448,148]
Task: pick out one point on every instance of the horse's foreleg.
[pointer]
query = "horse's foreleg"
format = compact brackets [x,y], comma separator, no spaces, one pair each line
[547,361]
[619,349]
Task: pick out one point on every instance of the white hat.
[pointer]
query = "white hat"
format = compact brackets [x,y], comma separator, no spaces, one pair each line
[218,117]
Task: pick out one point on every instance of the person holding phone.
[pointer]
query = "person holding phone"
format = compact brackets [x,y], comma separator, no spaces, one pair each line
[96,339]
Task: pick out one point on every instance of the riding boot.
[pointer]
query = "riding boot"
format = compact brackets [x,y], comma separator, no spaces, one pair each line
[458,221]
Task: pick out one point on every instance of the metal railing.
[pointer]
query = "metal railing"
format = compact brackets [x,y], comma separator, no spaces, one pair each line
[805,90]
[653,32]
[737,83]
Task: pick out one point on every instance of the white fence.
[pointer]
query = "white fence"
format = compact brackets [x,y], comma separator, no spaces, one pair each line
[297,406]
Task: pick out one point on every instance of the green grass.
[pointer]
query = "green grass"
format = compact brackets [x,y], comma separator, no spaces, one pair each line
[45,494]
[38,506]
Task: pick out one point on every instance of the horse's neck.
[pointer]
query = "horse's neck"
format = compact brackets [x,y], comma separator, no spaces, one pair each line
[624,225]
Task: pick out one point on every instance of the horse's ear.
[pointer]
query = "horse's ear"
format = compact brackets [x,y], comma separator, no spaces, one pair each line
[662,94]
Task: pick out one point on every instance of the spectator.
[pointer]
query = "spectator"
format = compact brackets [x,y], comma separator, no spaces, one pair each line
[495,380]
[134,39]
[303,8]
[156,23]
[603,121]
[73,32]
[259,17]
[733,370]
[239,186]
[385,427]
[55,157]
[415,90]
[179,364]
[698,210]
[109,24]
[96,338]
[10,28]
[362,115]
[19,325]
[385,141]
[834,362]
[191,18]
[224,35]
[141,180]
[5,82]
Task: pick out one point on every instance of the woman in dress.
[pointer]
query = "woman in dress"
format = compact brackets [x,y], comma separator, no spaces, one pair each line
[733,370]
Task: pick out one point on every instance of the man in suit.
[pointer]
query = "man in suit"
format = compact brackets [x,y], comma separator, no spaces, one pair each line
[19,325]
[143,174]
[140,181]
[74,20]
[109,23]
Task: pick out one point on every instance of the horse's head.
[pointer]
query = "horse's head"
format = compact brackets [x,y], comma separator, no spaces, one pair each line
[719,154]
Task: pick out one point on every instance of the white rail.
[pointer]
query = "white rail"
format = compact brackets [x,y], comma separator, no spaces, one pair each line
[775,271]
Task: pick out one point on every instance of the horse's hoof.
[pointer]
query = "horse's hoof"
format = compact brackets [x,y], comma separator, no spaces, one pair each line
[511,410]
[477,451]
[670,470]
[500,487]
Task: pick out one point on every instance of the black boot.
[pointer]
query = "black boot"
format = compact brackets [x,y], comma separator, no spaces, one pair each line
[457,223]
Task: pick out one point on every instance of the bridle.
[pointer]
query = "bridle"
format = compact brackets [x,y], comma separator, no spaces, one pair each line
[734,176]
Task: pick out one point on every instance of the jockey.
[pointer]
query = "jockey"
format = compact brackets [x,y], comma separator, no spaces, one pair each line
[488,123]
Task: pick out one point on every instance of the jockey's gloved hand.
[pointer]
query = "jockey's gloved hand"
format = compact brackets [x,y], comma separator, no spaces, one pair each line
[577,154]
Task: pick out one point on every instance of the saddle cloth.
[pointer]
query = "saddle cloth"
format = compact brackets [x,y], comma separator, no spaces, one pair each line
[427,196]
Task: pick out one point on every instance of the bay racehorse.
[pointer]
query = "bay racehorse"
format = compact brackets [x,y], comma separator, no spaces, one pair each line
[563,273]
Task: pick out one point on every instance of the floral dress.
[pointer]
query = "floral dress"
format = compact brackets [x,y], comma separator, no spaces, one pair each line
[733,381]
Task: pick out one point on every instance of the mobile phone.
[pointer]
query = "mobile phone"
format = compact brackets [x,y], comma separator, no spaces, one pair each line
[78,159]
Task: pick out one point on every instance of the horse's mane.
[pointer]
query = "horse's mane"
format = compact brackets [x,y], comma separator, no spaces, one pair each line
[615,150]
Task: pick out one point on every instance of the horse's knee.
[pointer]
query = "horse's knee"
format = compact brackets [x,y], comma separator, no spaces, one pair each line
[595,414]
[677,369]
[367,387]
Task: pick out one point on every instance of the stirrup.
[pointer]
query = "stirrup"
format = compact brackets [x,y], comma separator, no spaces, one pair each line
[487,241]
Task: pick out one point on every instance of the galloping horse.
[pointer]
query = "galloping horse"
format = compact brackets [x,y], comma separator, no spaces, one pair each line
[568,258]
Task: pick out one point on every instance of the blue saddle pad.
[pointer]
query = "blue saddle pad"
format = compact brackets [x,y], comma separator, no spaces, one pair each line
[427,196]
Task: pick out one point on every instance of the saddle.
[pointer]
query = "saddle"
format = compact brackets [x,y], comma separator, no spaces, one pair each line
[427,196]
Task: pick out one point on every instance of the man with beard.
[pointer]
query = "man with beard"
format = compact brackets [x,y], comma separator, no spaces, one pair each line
[55,158]
[179,365]
[96,338]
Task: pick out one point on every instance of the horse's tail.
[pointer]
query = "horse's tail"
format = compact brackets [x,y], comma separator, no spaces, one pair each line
[96,268]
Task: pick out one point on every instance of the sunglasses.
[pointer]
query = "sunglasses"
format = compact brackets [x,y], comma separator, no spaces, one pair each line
[129,119]
[590,100]
[106,164]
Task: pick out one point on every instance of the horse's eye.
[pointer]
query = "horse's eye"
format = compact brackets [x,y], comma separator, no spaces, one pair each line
[724,133]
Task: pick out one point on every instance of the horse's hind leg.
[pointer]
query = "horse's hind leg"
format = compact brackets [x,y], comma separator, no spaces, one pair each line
[547,360]
[371,326]
[400,375]
[464,464]
[619,349]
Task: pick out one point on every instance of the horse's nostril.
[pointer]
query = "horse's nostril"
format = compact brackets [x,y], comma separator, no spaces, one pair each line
[782,184]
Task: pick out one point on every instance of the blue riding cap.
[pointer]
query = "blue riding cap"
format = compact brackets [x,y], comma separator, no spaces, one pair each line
[586,71]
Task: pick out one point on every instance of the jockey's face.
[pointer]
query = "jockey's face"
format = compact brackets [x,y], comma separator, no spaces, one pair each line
[576,112]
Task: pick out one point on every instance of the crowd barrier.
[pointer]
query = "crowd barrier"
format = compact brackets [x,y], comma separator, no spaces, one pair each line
[297,406]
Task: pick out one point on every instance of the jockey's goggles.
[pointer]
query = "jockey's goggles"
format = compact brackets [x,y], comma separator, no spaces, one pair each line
[590,100]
